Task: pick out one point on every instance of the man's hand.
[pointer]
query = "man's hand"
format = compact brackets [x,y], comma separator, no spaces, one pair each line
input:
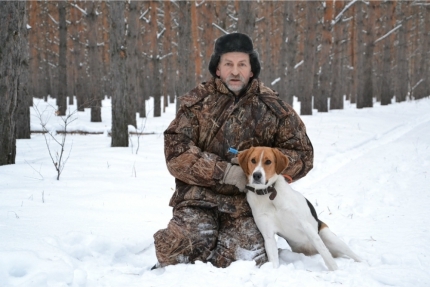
[234,175]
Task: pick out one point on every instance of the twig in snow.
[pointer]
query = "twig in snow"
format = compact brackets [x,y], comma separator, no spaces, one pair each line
[35,170]
[16,215]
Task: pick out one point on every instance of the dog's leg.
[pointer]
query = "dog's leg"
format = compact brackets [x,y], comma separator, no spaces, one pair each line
[336,246]
[269,240]
[271,249]
[317,242]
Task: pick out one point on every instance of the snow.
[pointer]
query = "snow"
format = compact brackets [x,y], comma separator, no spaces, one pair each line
[94,227]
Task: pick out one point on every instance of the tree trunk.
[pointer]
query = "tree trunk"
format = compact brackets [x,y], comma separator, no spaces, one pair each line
[12,55]
[132,60]
[62,61]
[155,78]
[386,75]
[321,102]
[186,52]
[119,75]
[247,17]
[401,74]
[25,100]
[309,59]
[336,97]
[287,85]
[94,64]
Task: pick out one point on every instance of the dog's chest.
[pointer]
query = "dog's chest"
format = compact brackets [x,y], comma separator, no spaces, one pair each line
[283,215]
[282,208]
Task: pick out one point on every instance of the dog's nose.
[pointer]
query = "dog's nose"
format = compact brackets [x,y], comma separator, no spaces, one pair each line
[257,176]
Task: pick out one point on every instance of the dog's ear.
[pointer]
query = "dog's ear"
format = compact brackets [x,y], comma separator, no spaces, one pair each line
[243,159]
[281,161]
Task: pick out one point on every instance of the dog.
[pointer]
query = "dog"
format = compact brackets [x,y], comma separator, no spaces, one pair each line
[278,209]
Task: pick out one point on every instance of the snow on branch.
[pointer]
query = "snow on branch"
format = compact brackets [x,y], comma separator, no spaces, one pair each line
[416,85]
[164,56]
[234,18]
[201,3]
[339,16]
[79,8]
[388,34]
[161,33]
[259,19]
[144,13]
[299,64]
[221,29]
[53,20]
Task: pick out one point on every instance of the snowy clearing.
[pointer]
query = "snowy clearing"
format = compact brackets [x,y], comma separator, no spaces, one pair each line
[94,227]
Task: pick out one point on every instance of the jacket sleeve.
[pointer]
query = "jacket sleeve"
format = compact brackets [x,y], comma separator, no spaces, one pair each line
[184,159]
[293,141]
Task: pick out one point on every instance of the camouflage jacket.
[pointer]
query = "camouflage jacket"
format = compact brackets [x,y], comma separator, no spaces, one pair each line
[210,120]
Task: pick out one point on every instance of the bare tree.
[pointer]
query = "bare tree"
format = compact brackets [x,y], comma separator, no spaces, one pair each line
[12,55]
[56,140]
[119,76]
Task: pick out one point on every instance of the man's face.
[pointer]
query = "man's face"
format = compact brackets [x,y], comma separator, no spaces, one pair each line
[234,69]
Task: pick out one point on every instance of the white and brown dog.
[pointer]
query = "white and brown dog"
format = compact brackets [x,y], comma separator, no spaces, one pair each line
[278,209]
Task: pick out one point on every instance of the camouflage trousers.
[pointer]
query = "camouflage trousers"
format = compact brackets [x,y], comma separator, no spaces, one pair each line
[208,235]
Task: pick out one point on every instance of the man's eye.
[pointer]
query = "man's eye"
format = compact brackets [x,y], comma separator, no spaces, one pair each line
[268,162]
[253,161]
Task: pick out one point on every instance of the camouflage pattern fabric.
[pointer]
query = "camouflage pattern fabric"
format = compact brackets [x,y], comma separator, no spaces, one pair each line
[212,221]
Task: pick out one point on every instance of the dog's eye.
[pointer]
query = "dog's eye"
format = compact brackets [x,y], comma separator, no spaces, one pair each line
[253,161]
[268,162]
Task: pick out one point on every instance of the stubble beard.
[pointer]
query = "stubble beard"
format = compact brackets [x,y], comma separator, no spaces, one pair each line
[236,88]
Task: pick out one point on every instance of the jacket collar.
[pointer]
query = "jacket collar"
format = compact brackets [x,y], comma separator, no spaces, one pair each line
[215,85]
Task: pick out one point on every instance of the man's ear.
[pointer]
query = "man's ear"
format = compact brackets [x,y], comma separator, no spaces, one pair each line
[243,159]
[281,161]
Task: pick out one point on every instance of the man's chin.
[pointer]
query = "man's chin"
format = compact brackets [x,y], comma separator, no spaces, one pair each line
[235,88]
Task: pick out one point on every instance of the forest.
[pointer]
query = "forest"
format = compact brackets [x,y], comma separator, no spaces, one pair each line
[322,52]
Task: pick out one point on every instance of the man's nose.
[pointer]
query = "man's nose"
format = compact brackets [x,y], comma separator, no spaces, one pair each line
[235,70]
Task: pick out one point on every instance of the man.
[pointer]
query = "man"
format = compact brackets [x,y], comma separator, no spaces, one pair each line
[212,221]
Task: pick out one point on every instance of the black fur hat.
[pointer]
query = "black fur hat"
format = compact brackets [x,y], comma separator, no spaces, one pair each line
[235,42]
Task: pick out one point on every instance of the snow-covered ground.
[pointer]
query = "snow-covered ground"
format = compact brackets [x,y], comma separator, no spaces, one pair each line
[94,227]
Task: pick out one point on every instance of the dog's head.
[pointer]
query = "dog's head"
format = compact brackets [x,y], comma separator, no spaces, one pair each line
[262,165]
